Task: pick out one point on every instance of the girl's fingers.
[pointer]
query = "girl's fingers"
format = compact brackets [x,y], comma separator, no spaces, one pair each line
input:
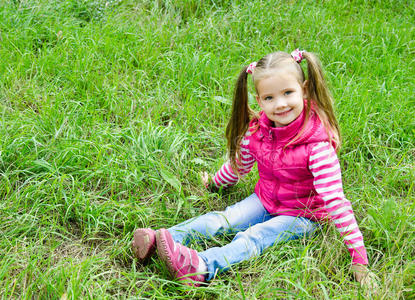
[366,278]
[205,178]
[207,181]
[370,281]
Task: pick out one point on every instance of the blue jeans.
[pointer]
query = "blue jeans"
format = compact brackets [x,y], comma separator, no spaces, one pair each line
[256,230]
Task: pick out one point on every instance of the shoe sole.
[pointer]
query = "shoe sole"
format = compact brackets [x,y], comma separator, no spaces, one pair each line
[143,245]
[162,251]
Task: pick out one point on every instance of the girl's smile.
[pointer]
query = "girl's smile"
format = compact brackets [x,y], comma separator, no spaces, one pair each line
[281,97]
[284,113]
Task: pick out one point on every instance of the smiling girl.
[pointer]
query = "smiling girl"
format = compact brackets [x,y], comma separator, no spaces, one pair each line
[293,140]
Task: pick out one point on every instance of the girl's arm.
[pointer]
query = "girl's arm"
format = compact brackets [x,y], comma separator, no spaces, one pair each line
[325,167]
[226,176]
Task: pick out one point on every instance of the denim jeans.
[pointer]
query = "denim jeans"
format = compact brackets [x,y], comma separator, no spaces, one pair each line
[255,230]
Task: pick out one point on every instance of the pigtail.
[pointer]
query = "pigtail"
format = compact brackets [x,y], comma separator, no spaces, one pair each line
[240,118]
[318,91]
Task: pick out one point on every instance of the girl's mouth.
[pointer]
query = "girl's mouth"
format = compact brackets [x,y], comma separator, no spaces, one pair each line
[282,114]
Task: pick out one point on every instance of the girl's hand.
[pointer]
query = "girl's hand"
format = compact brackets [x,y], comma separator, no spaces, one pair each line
[205,179]
[208,182]
[366,278]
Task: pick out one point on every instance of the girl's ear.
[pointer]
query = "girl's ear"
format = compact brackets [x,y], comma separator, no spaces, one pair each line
[258,100]
[305,89]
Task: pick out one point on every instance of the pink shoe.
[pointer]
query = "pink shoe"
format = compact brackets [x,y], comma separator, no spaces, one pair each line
[143,244]
[181,261]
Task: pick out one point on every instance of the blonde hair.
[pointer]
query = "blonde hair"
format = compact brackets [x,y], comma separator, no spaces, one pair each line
[317,92]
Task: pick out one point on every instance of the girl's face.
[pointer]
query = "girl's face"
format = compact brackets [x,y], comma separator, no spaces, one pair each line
[281,97]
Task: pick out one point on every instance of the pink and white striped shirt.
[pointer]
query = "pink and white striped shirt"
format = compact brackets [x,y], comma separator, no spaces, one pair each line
[325,167]
[226,177]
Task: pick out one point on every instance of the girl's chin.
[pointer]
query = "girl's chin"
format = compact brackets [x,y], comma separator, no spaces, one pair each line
[280,122]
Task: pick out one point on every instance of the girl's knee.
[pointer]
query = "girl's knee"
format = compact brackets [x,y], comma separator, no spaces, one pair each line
[257,237]
[250,241]
[219,218]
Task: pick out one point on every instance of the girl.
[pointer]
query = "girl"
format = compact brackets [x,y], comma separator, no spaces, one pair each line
[294,141]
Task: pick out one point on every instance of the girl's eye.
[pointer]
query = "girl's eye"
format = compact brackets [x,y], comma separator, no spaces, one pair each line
[287,93]
[268,98]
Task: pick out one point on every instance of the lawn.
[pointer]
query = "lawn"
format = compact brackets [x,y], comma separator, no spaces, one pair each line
[111,109]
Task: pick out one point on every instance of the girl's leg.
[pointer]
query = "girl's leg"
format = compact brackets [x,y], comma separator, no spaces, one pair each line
[234,218]
[237,217]
[254,241]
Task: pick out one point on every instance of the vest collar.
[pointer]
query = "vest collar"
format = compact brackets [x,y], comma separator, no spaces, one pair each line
[280,134]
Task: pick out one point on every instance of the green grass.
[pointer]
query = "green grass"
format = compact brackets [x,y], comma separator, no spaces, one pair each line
[109,112]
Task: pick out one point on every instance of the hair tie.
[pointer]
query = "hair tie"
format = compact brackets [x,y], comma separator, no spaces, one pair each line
[251,67]
[297,54]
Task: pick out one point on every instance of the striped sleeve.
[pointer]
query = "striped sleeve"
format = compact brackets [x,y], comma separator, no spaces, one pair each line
[325,167]
[225,176]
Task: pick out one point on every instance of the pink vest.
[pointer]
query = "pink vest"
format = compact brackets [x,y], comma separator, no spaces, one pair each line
[285,183]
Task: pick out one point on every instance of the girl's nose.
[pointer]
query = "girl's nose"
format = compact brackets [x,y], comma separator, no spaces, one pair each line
[280,103]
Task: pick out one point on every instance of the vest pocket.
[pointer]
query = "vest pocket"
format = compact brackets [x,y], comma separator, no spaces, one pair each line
[294,183]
